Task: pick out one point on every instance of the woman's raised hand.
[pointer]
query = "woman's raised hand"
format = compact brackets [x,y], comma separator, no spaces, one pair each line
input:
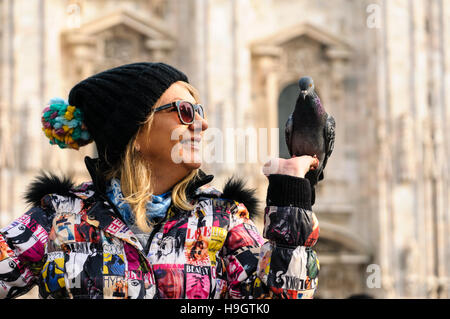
[295,166]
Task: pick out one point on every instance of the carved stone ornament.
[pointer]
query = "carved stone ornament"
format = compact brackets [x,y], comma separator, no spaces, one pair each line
[114,39]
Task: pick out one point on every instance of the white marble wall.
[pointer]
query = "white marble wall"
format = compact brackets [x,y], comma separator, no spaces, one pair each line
[385,198]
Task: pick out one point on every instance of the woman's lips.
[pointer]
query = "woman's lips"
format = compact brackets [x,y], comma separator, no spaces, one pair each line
[194,142]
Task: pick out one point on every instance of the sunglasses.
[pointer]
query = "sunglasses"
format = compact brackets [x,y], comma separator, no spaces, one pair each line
[186,110]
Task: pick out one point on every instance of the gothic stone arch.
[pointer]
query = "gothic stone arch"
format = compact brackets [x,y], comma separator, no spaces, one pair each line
[281,59]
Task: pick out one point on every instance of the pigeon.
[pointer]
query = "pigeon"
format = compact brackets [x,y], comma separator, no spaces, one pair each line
[310,130]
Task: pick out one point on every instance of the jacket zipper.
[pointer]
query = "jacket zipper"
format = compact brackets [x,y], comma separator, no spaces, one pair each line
[150,238]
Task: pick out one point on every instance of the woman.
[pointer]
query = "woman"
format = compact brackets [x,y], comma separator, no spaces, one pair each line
[148,219]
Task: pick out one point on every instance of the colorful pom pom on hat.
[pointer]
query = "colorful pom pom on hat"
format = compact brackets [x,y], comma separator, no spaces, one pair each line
[63,125]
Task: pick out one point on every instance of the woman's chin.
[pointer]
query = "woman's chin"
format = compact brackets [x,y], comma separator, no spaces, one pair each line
[191,158]
[192,165]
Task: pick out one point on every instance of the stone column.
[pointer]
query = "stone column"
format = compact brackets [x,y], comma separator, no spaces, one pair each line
[439,166]
[384,170]
[267,68]
[338,59]
[265,90]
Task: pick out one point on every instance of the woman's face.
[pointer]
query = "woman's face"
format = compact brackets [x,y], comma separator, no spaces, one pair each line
[170,143]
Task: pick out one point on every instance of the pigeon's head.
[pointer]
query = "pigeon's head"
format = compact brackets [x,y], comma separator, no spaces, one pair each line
[306,85]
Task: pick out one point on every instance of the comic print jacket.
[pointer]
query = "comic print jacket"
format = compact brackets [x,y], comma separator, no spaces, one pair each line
[73,244]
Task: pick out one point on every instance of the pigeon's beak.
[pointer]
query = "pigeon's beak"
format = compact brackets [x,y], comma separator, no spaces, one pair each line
[304,93]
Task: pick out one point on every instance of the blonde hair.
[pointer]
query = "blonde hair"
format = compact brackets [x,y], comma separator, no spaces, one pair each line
[134,173]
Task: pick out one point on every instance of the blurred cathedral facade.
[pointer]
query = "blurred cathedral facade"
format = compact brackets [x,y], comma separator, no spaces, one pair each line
[380,67]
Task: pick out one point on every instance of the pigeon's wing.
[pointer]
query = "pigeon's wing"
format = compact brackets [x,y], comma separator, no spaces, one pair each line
[328,134]
[330,129]
[288,133]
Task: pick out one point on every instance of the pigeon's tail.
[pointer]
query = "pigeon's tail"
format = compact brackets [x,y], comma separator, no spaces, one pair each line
[313,177]
[313,195]
[313,180]
[321,176]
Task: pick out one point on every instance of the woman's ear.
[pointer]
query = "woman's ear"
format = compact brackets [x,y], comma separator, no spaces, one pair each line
[137,147]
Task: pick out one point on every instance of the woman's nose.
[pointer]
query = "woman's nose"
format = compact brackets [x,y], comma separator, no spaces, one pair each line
[200,123]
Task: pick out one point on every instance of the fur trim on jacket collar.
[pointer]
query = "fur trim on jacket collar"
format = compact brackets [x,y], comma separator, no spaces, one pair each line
[47,183]
[234,189]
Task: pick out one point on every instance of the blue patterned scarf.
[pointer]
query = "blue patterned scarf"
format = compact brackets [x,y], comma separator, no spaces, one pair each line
[156,208]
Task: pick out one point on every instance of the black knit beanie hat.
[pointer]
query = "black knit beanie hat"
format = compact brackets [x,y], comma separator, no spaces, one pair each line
[117,101]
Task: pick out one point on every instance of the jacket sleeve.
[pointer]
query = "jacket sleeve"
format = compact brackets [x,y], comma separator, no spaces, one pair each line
[22,250]
[285,266]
